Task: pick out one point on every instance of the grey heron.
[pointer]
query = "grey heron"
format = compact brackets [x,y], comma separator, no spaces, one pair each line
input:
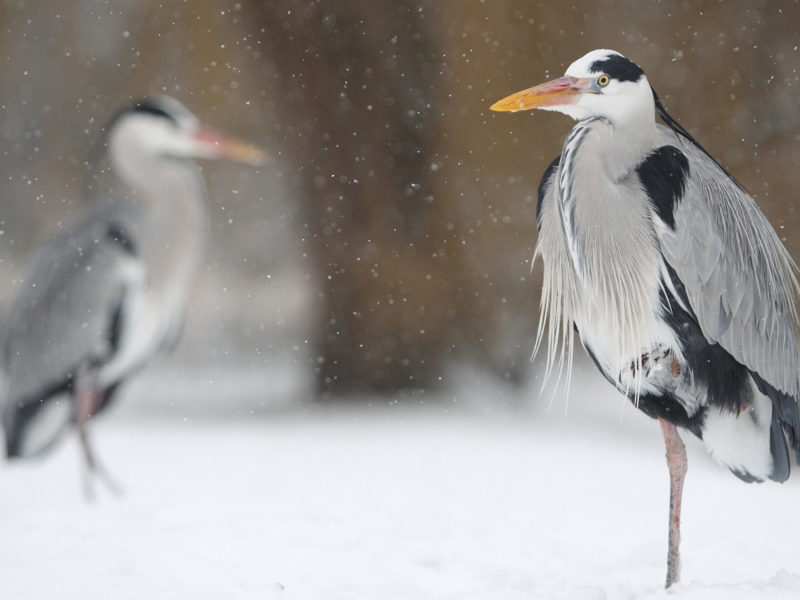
[678,287]
[105,297]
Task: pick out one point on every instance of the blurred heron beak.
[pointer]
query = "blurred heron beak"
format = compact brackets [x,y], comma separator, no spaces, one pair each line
[218,145]
[558,92]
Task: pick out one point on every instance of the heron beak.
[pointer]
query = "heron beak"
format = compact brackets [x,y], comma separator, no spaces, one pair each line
[558,92]
[217,145]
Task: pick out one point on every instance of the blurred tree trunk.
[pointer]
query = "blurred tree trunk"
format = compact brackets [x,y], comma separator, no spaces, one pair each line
[355,101]
[421,221]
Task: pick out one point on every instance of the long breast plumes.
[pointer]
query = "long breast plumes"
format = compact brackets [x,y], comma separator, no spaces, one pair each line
[602,261]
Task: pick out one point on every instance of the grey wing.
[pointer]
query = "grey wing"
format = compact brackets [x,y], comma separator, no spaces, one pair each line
[67,311]
[738,277]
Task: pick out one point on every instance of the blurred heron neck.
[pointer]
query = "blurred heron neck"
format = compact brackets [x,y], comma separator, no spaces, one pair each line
[176,223]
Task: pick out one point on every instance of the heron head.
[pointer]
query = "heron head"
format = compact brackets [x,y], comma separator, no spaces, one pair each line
[161,126]
[601,84]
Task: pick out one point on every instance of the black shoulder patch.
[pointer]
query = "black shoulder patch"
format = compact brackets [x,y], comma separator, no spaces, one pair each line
[118,235]
[618,67]
[663,175]
[548,173]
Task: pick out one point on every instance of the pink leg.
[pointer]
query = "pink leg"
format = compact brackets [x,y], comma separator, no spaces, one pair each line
[88,400]
[88,403]
[676,461]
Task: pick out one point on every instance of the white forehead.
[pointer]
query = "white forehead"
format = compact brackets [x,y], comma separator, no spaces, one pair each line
[581,67]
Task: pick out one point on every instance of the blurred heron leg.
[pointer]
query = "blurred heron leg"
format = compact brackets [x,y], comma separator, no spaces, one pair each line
[677,463]
[88,401]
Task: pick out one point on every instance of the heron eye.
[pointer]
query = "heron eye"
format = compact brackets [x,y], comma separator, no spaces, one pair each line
[603,80]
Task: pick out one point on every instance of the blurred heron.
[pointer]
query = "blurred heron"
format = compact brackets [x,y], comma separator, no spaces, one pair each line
[678,287]
[104,298]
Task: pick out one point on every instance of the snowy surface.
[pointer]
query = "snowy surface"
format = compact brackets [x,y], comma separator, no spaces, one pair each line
[482,494]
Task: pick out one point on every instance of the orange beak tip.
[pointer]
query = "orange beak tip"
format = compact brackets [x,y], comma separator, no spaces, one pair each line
[256,157]
[557,92]
[242,152]
[515,103]
[503,106]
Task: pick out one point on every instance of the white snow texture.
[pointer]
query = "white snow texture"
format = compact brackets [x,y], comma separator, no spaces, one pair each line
[475,496]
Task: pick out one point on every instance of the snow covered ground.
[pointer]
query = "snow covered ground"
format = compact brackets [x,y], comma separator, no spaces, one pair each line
[472,496]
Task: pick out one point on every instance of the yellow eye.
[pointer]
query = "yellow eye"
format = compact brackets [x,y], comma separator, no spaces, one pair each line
[603,80]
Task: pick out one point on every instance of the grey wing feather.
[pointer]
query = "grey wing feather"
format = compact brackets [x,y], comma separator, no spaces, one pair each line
[739,278]
[63,316]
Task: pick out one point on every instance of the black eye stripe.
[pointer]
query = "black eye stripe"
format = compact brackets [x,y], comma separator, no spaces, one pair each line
[144,106]
[618,67]
[149,108]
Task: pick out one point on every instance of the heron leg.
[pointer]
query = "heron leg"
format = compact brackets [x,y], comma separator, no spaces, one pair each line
[677,463]
[88,402]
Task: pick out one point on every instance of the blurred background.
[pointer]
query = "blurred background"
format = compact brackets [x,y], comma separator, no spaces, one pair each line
[388,249]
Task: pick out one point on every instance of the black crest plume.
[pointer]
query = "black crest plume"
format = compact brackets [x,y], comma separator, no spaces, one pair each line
[680,130]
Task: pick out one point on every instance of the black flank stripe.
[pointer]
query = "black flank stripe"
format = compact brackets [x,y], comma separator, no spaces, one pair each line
[548,174]
[16,421]
[727,382]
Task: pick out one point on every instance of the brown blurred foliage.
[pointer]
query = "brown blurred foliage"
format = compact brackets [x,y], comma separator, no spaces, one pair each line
[409,205]
[422,202]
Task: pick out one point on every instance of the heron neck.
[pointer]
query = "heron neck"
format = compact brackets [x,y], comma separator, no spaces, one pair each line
[594,174]
[174,226]
[628,144]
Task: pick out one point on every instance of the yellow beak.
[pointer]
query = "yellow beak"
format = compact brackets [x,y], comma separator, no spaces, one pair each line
[558,92]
